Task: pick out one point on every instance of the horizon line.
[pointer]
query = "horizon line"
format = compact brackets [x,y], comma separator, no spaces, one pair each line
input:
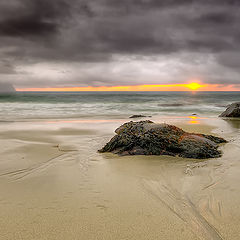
[237,90]
[183,87]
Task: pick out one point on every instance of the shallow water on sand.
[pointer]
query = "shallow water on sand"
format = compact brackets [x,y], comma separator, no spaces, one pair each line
[54,185]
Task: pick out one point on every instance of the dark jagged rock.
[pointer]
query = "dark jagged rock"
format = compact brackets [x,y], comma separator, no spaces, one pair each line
[139,116]
[148,138]
[232,110]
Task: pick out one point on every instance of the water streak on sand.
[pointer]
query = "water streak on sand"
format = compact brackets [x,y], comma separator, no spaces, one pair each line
[183,207]
[22,173]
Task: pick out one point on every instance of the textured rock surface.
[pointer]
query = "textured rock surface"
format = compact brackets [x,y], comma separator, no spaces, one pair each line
[232,111]
[148,138]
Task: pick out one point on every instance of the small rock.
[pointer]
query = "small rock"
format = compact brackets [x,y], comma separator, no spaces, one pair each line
[171,105]
[139,116]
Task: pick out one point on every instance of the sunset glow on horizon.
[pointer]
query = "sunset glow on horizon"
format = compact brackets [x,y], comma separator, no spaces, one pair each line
[193,86]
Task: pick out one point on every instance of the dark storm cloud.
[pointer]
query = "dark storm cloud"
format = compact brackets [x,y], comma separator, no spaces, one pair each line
[27,25]
[33,18]
[38,31]
[126,26]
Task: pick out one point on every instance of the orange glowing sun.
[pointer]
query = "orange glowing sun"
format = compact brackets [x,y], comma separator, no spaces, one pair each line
[194,86]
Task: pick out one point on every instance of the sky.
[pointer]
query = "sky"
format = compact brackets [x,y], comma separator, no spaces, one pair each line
[120,44]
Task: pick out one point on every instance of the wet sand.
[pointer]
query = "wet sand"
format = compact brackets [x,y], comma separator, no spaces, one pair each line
[54,185]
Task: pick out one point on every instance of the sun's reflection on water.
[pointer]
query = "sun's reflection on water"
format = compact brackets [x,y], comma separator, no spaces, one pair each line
[193,120]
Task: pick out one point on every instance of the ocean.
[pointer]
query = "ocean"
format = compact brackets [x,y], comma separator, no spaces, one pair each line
[22,106]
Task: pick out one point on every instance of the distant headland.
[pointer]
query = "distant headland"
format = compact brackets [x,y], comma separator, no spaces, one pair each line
[6,88]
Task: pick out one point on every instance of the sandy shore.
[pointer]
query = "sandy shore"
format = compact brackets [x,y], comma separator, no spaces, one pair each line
[54,185]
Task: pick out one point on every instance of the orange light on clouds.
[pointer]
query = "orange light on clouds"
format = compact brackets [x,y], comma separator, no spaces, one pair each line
[162,87]
[192,86]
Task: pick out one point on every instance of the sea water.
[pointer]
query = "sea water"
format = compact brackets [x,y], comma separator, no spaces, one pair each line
[111,105]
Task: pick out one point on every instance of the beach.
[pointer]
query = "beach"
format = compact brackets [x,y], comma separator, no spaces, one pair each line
[119,120]
[55,185]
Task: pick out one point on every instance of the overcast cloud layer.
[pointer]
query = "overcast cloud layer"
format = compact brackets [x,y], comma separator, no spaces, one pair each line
[56,43]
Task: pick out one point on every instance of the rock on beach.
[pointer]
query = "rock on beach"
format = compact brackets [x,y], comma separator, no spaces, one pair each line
[232,110]
[149,138]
